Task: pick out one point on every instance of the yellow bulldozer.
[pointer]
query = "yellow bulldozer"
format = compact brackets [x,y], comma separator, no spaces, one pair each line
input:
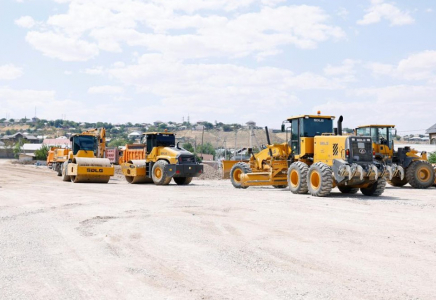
[419,173]
[315,160]
[86,162]
[162,161]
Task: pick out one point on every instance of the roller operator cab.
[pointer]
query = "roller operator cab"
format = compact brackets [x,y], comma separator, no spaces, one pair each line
[406,164]
[86,162]
[322,158]
[162,160]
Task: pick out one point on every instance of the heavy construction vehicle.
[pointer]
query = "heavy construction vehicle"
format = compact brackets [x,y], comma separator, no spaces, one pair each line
[162,161]
[315,160]
[419,173]
[56,158]
[86,162]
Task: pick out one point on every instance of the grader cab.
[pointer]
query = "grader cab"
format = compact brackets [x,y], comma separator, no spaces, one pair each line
[417,171]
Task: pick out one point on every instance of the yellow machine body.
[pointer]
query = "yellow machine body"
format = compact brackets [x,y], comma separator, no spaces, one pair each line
[89,165]
[178,161]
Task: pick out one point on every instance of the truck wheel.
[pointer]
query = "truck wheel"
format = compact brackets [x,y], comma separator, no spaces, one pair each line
[348,190]
[420,174]
[236,172]
[64,171]
[376,189]
[396,181]
[320,180]
[182,180]
[158,173]
[58,168]
[297,177]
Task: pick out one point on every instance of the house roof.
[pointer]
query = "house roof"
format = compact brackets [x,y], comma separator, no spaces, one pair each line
[13,136]
[57,142]
[431,129]
[31,147]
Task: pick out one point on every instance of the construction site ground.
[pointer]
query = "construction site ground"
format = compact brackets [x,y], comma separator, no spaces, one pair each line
[208,240]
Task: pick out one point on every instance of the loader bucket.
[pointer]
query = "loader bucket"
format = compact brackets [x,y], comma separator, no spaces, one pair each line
[227,166]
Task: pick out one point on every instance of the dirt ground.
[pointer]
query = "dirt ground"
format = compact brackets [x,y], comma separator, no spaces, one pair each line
[208,240]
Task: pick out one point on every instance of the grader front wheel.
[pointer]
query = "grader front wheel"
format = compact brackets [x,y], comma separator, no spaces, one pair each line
[320,181]
[236,174]
[297,178]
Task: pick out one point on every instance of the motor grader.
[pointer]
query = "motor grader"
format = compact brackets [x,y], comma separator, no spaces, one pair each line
[86,162]
[162,161]
[315,160]
[419,173]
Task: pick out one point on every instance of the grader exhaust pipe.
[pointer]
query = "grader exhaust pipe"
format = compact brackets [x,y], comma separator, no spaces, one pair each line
[268,140]
[341,118]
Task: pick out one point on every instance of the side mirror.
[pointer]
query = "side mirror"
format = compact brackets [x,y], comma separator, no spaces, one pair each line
[250,151]
[283,127]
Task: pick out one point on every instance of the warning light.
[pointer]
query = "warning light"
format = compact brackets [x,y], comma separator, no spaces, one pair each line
[319,112]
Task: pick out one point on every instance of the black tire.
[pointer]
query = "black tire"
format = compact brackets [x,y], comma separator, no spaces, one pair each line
[235,173]
[376,189]
[63,171]
[58,169]
[182,180]
[280,186]
[420,174]
[396,181]
[348,190]
[159,175]
[297,177]
[319,179]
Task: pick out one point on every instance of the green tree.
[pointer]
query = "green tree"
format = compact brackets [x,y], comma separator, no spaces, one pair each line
[42,153]
[227,128]
[188,147]
[17,148]
[206,149]
[432,158]
[118,142]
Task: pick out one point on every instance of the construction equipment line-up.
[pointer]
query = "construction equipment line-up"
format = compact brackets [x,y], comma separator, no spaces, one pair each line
[316,158]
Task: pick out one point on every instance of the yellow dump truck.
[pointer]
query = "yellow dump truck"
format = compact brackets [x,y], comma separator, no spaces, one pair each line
[86,162]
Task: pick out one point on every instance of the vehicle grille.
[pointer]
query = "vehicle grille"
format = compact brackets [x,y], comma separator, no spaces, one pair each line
[187,159]
[361,149]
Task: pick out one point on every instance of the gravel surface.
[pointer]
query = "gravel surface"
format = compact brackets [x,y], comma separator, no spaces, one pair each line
[208,240]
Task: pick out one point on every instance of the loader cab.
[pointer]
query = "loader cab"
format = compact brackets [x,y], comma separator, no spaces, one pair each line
[158,139]
[382,137]
[84,142]
[304,128]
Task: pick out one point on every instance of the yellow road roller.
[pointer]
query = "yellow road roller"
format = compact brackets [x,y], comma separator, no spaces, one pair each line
[162,160]
[86,162]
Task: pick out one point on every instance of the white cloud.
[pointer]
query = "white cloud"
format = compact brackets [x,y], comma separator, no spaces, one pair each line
[185,30]
[391,105]
[380,10]
[64,48]
[343,12]
[68,73]
[106,89]
[94,71]
[346,70]
[10,72]
[419,66]
[429,10]
[25,21]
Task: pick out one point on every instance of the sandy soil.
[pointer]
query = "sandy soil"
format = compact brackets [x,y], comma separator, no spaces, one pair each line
[61,240]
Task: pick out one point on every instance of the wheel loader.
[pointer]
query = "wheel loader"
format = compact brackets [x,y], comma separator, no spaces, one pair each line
[315,160]
[162,161]
[419,173]
[86,162]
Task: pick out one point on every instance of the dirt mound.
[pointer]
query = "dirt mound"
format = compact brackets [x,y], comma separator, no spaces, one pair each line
[209,173]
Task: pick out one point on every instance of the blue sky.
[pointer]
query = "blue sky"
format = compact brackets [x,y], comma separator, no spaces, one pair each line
[373,61]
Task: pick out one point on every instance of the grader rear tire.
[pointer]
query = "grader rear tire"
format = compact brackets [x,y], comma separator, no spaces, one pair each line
[297,177]
[376,189]
[320,181]
[348,190]
[396,181]
[420,174]
[182,180]
[236,172]
[158,173]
